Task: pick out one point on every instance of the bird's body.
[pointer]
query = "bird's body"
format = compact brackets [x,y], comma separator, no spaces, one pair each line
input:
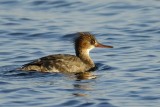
[81,62]
[58,63]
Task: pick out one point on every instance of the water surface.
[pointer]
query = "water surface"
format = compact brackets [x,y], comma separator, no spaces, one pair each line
[127,76]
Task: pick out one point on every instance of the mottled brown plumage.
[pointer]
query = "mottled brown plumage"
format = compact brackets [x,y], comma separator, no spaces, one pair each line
[68,63]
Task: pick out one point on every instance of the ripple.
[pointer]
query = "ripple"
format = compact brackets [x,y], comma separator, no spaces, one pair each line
[8,2]
[70,103]
[150,98]
[86,104]
[39,2]
[122,5]
[105,104]
[18,34]
[4,83]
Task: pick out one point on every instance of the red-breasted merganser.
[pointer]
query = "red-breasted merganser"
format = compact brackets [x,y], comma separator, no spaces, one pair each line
[69,63]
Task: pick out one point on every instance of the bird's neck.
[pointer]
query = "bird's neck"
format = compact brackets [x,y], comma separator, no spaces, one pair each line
[83,54]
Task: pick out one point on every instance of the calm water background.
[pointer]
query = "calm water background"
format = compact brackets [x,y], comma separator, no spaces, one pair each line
[127,76]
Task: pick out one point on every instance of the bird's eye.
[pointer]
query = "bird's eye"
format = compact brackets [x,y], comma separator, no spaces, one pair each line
[93,42]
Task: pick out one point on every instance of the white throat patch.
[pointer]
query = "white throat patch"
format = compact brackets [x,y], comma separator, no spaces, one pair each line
[88,50]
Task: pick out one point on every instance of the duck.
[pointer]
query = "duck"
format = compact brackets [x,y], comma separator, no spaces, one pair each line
[78,63]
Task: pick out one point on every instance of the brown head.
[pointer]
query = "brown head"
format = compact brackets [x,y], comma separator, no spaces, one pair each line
[86,41]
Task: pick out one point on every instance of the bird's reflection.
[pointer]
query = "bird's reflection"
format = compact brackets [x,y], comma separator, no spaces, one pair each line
[81,88]
[80,76]
[79,94]
[85,76]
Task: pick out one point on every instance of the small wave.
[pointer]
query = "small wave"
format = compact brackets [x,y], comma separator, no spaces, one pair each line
[102,67]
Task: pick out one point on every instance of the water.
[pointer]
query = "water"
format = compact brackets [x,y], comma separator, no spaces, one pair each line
[127,76]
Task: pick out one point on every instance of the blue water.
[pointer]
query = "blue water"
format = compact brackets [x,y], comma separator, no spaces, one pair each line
[127,76]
